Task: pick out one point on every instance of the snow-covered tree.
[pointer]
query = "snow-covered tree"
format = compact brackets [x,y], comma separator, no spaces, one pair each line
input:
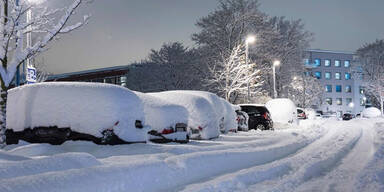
[46,23]
[277,38]
[305,91]
[371,69]
[231,77]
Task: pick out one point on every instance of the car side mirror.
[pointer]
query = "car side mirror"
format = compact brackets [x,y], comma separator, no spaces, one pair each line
[138,124]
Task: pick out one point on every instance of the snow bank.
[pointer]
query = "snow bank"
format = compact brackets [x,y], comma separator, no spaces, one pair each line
[206,110]
[83,107]
[311,113]
[283,111]
[371,112]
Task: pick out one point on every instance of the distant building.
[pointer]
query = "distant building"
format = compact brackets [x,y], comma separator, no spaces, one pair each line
[343,91]
[113,75]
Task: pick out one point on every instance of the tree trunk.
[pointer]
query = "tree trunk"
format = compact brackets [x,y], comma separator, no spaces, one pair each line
[3,113]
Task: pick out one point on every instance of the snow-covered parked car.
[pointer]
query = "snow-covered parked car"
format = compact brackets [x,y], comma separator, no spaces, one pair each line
[102,113]
[208,113]
[371,112]
[283,112]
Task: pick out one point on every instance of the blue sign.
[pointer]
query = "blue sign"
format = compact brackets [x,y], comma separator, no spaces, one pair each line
[31,75]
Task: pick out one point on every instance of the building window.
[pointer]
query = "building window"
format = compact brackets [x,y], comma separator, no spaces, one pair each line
[362,101]
[306,61]
[328,88]
[317,62]
[338,88]
[328,101]
[339,101]
[347,76]
[348,101]
[328,75]
[318,74]
[361,90]
[307,73]
[337,75]
[347,63]
[348,89]
[327,63]
[337,63]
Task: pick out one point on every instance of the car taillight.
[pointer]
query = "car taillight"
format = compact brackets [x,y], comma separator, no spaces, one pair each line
[200,128]
[167,131]
[265,115]
[238,119]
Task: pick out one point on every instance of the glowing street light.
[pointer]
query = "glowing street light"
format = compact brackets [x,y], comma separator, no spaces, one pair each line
[248,40]
[275,64]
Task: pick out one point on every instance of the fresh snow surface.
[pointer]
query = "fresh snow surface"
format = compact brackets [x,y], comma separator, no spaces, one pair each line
[371,112]
[90,108]
[283,111]
[317,155]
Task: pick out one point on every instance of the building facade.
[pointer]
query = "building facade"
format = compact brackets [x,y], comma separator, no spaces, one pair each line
[342,90]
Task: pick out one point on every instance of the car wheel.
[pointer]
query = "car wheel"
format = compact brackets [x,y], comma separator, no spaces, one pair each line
[260,126]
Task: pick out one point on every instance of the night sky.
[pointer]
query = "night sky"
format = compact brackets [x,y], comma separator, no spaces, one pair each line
[124,31]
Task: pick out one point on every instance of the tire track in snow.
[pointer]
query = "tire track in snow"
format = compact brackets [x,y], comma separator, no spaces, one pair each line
[156,175]
[299,165]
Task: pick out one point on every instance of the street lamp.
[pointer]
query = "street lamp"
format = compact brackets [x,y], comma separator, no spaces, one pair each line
[250,39]
[275,64]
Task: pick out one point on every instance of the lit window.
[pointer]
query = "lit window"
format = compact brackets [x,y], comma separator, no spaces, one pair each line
[347,63]
[318,74]
[306,61]
[337,63]
[327,75]
[328,101]
[307,73]
[347,76]
[348,89]
[327,63]
[339,101]
[328,88]
[337,75]
[338,88]
[361,90]
[317,62]
[362,101]
[348,101]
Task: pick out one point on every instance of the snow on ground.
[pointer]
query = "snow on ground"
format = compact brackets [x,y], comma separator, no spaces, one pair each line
[318,155]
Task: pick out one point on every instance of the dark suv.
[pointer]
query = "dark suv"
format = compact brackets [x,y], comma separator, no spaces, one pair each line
[259,116]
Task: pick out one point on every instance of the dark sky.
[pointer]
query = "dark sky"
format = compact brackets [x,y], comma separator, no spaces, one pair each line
[123,31]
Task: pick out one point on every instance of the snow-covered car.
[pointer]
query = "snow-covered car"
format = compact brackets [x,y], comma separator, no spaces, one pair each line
[283,111]
[242,120]
[102,113]
[371,112]
[208,113]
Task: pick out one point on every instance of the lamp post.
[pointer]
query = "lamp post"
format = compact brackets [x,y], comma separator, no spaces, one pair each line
[29,39]
[250,39]
[274,65]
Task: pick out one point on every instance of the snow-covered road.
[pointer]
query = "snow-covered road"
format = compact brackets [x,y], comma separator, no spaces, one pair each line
[322,155]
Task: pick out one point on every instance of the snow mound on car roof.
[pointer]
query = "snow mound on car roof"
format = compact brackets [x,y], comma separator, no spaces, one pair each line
[371,112]
[90,108]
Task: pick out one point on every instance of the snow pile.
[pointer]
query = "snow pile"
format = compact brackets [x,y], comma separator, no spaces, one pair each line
[205,109]
[283,111]
[83,107]
[371,112]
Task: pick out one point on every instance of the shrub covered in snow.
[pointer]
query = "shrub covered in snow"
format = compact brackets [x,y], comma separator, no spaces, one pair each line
[283,111]
[371,112]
